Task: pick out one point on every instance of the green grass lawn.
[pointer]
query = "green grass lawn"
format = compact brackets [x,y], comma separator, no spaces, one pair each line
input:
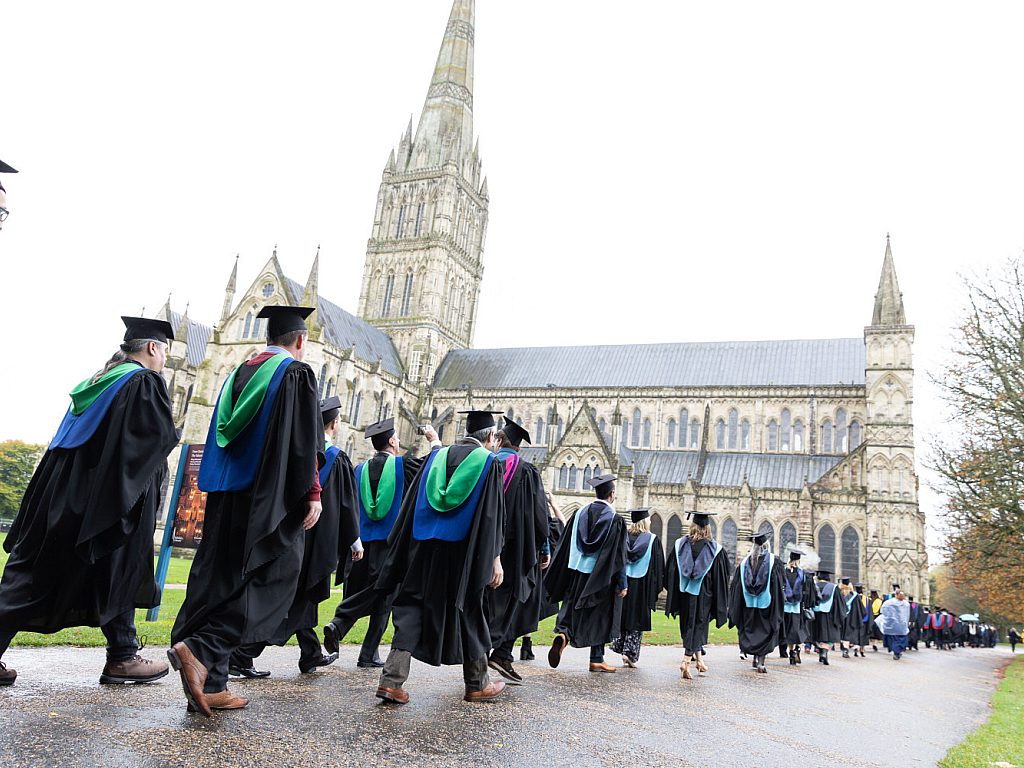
[1000,741]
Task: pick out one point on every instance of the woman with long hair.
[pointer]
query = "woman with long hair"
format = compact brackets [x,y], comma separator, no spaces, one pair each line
[645,574]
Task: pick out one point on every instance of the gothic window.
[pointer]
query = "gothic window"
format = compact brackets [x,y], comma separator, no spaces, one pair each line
[247,326]
[350,445]
[450,312]
[636,427]
[401,222]
[647,433]
[670,434]
[597,470]
[798,436]
[745,435]
[684,424]
[714,528]
[720,434]
[357,401]
[407,294]
[538,430]
[268,290]
[766,527]
[572,477]
[510,415]
[588,473]
[389,289]
[561,426]
[352,402]
[773,435]
[416,365]
[854,434]
[851,553]
[602,425]
[827,548]
[419,218]
[694,433]
[675,530]
[728,541]
[563,476]
[733,419]
[787,537]
[656,524]
[330,388]
[826,436]
[841,436]
[784,427]
[625,432]
[322,384]
[260,330]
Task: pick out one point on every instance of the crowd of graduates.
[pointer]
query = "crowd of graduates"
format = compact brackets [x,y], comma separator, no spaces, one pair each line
[461,548]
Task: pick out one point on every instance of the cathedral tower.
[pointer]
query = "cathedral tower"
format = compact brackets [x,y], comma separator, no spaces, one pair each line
[895,525]
[424,259]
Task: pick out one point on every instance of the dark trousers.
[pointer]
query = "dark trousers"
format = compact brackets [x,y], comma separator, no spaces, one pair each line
[367,602]
[597,654]
[396,671]
[217,639]
[309,649]
[122,640]
[503,651]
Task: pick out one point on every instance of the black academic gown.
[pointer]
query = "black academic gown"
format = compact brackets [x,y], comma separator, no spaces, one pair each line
[253,541]
[591,612]
[327,549]
[556,528]
[695,612]
[757,628]
[854,621]
[81,547]
[514,608]
[796,627]
[438,611]
[642,597]
[828,627]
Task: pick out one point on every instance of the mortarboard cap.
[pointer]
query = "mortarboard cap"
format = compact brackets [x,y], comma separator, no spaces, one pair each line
[700,518]
[794,554]
[636,515]
[515,433]
[477,420]
[845,581]
[330,408]
[147,328]
[383,429]
[858,585]
[760,538]
[895,587]
[824,575]
[282,320]
[5,168]
[600,480]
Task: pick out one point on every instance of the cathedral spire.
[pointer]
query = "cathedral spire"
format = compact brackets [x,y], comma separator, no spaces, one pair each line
[229,292]
[888,300]
[311,295]
[445,129]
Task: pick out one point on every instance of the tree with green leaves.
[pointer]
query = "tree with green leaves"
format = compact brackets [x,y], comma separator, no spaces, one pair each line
[18,461]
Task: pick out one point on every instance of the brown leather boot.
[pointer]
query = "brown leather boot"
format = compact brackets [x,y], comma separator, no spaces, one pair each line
[193,677]
[490,693]
[133,670]
[600,666]
[7,676]
[224,700]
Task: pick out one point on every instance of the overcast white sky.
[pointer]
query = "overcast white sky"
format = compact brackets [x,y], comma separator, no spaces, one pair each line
[710,171]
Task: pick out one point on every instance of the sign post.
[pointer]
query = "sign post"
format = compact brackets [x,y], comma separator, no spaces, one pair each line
[164,560]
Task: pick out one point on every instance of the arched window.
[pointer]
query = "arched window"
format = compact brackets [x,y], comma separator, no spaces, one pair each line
[268,290]
[389,290]
[684,424]
[850,544]
[647,433]
[572,478]
[745,435]
[561,426]
[322,384]
[538,430]
[773,435]
[784,427]
[330,388]
[247,326]
[510,415]
[842,439]
[656,524]
[636,427]
[798,436]
[714,528]
[352,405]
[720,434]
[826,436]
[401,222]
[728,541]
[597,470]
[787,537]
[766,527]
[625,432]
[563,476]
[670,434]
[854,434]
[588,473]
[675,530]
[694,434]
[419,218]
[356,403]
[827,548]
[733,428]
[602,425]
[407,291]
[350,445]
[259,328]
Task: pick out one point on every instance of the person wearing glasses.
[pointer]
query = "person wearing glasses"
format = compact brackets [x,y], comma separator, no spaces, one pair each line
[4,168]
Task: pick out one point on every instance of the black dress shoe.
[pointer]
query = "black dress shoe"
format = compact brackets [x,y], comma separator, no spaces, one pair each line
[305,667]
[332,640]
[250,672]
[375,663]
[504,668]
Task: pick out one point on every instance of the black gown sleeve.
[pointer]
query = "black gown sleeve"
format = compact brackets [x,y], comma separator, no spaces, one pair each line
[720,588]
[655,575]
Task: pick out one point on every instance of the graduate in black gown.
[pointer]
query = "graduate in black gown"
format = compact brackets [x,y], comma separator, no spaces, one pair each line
[697,582]
[382,484]
[259,470]
[861,635]
[514,608]
[854,619]
[81,547]
[548,607]
[588,575]
[331,546]
[915,623]
[645,578]
[829,615]
[800,595]
[756,601]
[443,554]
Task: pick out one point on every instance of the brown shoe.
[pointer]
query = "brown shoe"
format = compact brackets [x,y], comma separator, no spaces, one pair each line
[7,676]
[224,700]
[557,646]
[133,670]
[490,693]
[193,676]
[396,695]
[600,666]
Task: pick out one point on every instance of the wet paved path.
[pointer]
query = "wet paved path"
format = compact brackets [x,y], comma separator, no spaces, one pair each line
[810,715]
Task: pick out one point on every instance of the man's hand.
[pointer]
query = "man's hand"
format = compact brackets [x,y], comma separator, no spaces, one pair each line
[430,433]
[622,592]
[313,510]
[357,555]
[497,575]
[545,561]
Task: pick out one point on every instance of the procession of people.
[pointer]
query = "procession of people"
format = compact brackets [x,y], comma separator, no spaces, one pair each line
[461,549]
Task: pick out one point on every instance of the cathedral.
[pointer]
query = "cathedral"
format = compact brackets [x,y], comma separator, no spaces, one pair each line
[810,441]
